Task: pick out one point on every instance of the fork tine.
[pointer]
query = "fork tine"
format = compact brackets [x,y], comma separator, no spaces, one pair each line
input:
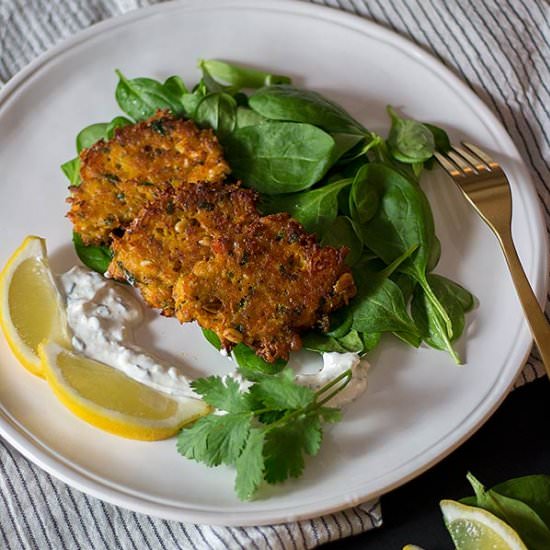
[462,163]
[481,154]
[446,164]
[478,164]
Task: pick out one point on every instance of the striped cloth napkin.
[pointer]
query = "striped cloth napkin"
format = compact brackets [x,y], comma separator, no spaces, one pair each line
[499,47]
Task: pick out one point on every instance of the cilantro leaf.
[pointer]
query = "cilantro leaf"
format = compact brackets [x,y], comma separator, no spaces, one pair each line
[283,454]
[330,414]
[266,431]
[193,442]
[215,439]
[312,434]
[222,394]
[250,465]
[281,392]
[285,446]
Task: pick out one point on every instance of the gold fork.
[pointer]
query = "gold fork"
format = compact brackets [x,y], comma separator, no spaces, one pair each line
[485,185]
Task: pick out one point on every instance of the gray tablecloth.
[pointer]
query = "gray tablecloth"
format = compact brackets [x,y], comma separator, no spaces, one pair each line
[501,48]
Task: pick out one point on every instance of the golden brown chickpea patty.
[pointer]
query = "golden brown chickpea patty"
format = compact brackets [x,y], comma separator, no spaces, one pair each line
[264,286]
[197,247]
[120,176]
[174,232]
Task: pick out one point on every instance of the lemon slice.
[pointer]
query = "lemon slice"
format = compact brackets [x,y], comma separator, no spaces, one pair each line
[31,308]
[112,401]
[473,528]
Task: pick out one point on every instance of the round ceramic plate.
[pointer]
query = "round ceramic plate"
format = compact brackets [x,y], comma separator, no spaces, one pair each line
[419,405]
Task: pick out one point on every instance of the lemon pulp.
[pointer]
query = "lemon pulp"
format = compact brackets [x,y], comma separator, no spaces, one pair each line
[32,302]
[110,389]
[112,401]
[31,308]
[473,528]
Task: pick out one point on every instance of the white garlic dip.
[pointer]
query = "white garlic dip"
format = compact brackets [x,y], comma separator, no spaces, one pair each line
[102,315]
[334,364]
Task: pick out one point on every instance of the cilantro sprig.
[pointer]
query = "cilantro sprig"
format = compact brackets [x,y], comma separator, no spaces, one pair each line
[265,431]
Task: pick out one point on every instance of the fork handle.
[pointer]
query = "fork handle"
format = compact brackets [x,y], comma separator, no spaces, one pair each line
[540,328]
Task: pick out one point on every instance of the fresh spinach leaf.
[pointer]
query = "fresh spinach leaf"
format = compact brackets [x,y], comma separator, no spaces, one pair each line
[175,86]
[283,102]
[409,141]
[406,283]
[96,132]
[379,307]
[347,146]
[248,117]
[455,299]
[117,122]
[212,338]
[363,198]
[97,258]
[315,209]
[322,343]
[190,101]
[141,98]
[520,516]
[352,341]
[218,111]
[403,219]
[241,77]
[413,339]
[90,135]
[370,340]
[71,169]
[251,366]
[340,322]
[212,85]
[441,139]
[280,157]
[435,254]
[341,232]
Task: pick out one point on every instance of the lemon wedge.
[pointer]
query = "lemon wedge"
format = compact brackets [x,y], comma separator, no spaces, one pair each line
[112,401]
[473,528]
[31,308]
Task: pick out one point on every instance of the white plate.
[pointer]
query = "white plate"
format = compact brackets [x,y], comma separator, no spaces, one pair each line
[419,405]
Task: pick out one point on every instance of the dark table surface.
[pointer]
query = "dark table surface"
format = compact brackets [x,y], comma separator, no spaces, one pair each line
[514,442]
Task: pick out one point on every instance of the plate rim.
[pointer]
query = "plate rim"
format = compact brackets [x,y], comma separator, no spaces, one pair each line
[46,458]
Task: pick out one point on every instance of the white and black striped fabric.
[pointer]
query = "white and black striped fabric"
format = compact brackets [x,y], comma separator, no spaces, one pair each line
[501,48]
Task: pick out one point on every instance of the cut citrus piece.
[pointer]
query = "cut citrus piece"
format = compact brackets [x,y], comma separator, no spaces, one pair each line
[31,308]
[473,528]
[112,401]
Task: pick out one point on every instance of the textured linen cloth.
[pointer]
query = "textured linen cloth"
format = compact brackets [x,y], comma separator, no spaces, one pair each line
[500,48]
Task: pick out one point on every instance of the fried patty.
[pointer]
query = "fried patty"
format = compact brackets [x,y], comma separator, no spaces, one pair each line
[120,176]
[264,286]
[173,233]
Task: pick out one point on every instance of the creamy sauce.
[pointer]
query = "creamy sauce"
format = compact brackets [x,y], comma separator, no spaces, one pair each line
[334,364]
[102,315]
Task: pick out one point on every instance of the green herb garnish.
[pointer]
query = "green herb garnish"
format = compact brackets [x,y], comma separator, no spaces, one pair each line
[266,431]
